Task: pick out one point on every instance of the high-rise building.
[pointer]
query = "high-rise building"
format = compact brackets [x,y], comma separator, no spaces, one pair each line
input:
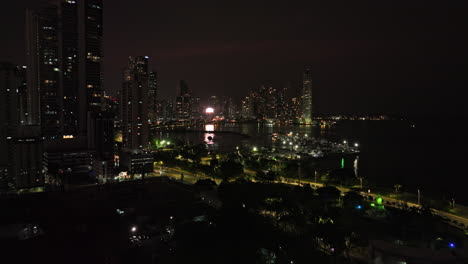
[23,103]
[295,112]
[307,98]
[183,101]
[65,58]
[21,144]
[68,37]
[213,102]
[183,88]
[135,156]
[247,108]
[90,48]
[152,96]
[26,150]
[134,105]
[195,108]
[44,70]
[65,81]
[165,109]
[8,121]
[229,109]
[103,142]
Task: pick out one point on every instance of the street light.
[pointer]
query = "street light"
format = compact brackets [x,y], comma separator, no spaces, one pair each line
[133,229]
[356,145]
[345,142]
[419,197]
[360,180]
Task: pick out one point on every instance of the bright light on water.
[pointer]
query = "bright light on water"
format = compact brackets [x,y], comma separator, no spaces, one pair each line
[209,127]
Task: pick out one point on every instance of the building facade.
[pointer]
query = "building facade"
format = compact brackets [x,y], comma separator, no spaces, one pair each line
[307,98]
[65,61]
[153,96]
[21,144]
[134,106]
[65,81]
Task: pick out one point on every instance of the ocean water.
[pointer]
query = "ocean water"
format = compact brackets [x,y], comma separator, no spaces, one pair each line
[427,154]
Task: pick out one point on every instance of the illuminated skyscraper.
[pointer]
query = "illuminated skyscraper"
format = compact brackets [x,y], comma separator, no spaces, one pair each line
[90,49]
[183,101]
[135,156]
[152,96]
[134,105]
[65,57]
[307,98]
[44,70]
[65,88]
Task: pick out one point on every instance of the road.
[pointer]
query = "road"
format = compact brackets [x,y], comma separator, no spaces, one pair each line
[189,177]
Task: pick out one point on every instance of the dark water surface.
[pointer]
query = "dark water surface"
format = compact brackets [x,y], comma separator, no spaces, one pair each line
[431,155]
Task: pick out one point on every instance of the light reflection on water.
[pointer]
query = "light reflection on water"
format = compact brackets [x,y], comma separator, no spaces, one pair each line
[209,137]
[391,151]
[227,137]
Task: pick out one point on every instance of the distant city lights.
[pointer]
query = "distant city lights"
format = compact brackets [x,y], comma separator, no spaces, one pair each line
[209,128]
[209,110]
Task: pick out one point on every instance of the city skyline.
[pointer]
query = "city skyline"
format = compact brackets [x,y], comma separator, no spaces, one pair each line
[362,59]
[258,132]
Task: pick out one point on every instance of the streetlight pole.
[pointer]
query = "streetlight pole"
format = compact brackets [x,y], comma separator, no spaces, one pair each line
[453,203]
[299,171]
[316,176]
[419,197]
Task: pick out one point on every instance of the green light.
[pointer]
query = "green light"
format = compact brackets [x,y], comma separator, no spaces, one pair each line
[379,200]
[372,204]
[342,163]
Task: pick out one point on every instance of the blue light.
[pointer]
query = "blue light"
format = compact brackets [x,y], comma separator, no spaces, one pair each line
[451,245]
[358,207]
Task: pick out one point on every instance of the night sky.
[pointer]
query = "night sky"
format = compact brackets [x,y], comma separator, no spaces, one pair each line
[400,57]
